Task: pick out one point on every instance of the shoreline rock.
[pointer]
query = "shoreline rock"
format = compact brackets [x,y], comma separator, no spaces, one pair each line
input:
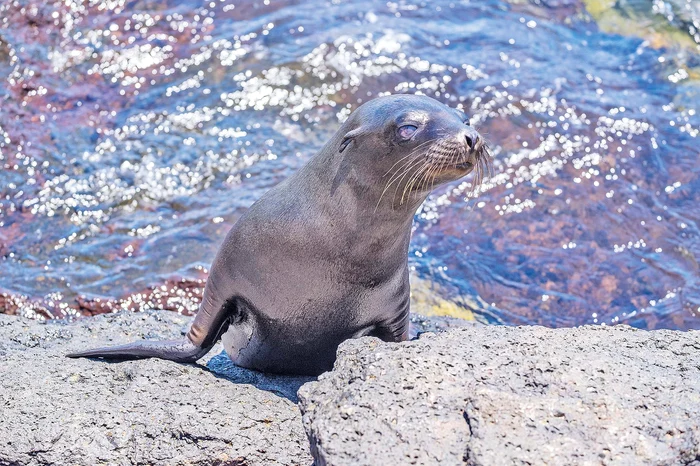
[84,412]
[510,395]
[472,394]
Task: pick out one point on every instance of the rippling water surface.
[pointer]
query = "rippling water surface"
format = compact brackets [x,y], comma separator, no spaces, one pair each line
[134,134]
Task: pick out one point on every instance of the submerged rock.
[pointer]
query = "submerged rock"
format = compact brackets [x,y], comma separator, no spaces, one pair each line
[84,412]
[503,395]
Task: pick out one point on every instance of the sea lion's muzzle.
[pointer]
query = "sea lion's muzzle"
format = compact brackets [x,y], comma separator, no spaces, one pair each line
[472,138]
[472,148]
[463,150]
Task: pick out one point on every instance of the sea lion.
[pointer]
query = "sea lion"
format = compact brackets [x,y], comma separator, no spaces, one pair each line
[323,256]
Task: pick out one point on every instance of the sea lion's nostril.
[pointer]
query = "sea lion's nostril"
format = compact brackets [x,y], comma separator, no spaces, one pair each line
[470,142]
[471,136]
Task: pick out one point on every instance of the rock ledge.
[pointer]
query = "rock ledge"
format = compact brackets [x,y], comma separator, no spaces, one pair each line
[474,395]
[508,396]
[57,411]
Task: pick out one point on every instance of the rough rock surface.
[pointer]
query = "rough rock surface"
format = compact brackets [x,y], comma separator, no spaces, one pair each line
[55,410]
[509,396]
[475,395]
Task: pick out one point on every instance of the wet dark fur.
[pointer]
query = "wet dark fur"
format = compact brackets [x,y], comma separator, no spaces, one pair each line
[322,257]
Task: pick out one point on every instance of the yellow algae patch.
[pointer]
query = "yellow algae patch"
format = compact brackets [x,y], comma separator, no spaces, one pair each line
[652,29]
[597,7]
[693,73]
[426,299]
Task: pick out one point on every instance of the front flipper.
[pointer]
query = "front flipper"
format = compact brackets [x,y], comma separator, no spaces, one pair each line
[174,350]
[393,330]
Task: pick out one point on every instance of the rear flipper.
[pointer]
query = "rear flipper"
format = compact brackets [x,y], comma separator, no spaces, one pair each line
[183,350]
[213,319]
[174,350]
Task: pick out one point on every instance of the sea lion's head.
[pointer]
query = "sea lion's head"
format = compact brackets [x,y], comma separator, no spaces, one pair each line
[412,144]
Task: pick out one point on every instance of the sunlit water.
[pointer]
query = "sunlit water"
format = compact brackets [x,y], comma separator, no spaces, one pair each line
[134,134]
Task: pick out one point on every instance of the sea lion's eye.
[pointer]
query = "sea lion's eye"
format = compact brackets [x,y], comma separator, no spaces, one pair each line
[406,131]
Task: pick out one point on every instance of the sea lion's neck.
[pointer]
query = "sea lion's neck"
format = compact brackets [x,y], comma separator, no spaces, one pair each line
[355,201]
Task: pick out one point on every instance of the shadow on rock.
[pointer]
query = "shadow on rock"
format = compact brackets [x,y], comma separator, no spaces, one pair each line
[285,386]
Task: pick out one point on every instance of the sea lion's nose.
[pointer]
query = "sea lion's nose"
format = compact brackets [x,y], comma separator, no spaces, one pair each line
[472,137]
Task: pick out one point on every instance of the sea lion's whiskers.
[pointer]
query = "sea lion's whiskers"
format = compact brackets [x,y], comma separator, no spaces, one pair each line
[425,176]
[486,165]
[398,177]
[482,171]
[479,173]
[415,177]
[478,177]
[410,181]
[438,148]
[451,152]
[406,169]
[433,166]
[416,149]
[476,181]
[441,163]
[432,173]
[488,160]
[430,164]
[432,181]
[402,171]
[408,164]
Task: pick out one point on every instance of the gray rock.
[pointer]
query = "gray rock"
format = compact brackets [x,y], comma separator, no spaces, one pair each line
[55,410]
[476,395]
[507,396]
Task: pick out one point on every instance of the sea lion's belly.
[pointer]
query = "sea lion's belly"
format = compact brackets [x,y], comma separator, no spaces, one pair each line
[306,345]
[301,333]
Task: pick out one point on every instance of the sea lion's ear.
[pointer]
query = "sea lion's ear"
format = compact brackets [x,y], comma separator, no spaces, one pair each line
[349,138]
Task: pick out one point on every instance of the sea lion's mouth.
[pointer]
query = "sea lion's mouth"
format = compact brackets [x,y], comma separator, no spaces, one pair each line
[464,165]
